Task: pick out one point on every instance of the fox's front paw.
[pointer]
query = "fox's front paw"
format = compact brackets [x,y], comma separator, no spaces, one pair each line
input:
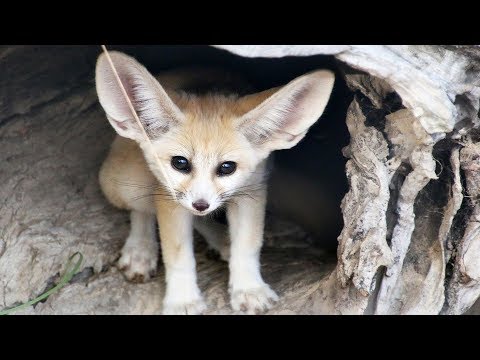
[138,264]
[195,307]
[253,301]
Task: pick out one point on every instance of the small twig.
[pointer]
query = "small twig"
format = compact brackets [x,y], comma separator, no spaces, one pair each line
[139,123]
[67,276]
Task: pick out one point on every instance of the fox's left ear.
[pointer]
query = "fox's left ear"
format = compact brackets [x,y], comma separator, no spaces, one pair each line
[282,116]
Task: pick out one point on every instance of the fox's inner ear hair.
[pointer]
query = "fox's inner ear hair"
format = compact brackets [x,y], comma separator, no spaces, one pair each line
[156,111]
[281,118]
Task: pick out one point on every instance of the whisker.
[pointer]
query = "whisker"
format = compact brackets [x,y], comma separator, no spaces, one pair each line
[165,195]
[242,191]
[138,185]
[144,196]
[249,188]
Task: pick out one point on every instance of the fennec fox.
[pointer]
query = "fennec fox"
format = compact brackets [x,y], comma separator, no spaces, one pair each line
[214,149]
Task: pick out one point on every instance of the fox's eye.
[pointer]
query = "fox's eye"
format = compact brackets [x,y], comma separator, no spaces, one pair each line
[181,164]
[226,168]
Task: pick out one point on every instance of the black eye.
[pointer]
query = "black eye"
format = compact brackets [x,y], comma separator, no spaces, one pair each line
[226,168]
[181,164]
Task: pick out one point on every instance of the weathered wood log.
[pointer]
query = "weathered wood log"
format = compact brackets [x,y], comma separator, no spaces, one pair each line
[439,88]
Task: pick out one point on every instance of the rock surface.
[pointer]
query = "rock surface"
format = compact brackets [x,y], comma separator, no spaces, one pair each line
[56,137]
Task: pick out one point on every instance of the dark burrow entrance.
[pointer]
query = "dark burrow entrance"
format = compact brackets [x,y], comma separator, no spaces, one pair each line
[308,181]
[305,190]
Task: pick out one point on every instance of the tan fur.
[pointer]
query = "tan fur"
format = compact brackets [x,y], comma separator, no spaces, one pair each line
[124,167]
[207,130]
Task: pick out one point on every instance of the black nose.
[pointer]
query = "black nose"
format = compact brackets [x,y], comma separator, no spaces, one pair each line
[201,205]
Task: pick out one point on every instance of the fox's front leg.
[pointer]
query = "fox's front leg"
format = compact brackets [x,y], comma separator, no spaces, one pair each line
[140,252]
[248,291]
[182,296]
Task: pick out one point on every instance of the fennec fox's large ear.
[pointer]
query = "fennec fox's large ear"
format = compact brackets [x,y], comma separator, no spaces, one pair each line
[155,109]
[282,116]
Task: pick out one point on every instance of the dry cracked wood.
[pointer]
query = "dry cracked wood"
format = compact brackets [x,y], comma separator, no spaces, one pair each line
[426,228]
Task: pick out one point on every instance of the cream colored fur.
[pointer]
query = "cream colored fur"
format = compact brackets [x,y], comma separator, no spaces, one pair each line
[207,130]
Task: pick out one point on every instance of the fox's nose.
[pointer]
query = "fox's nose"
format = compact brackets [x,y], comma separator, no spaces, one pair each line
[201,205]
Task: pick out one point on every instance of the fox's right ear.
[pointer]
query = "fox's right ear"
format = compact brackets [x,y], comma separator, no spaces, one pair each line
[156,111]
[282,116]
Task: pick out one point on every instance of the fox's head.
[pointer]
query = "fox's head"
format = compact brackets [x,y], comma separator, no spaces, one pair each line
[209,146]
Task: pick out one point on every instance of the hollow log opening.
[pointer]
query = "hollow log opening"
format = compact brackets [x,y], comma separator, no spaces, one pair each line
[374,212]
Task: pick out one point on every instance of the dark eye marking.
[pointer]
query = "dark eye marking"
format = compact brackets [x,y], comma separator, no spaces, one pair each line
[181,164]
[226,168]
